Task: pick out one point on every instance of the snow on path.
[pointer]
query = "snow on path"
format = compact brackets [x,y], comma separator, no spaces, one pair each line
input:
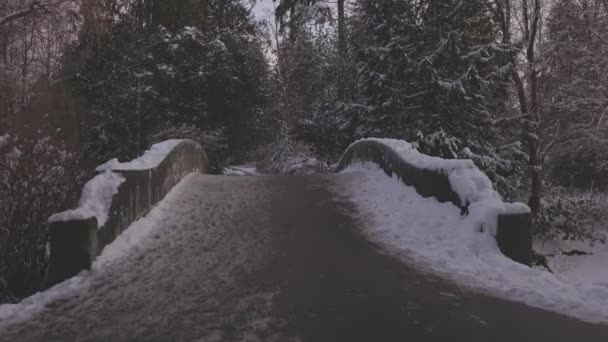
[434,236]
[172,276]
[128,240]
[241,170]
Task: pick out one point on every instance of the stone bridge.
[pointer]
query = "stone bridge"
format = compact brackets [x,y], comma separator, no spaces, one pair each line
[265,258]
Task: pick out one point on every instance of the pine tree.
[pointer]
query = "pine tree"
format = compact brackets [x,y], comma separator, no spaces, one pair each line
[140,82]
[441,72]
[435,74]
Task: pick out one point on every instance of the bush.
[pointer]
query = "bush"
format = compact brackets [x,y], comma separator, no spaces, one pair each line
[572,216]
[290,157]
[37,179]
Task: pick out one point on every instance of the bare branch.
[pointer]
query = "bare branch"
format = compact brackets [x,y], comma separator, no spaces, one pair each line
[552,143]
[34,7]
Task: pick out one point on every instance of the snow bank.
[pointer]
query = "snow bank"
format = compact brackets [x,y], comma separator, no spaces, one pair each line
[435,236]
[241,170]
[22,311]
[577,262]
[95,200]
[149,160]
[472,187]
[298,165]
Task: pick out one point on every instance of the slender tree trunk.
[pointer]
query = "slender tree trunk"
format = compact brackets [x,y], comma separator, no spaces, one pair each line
[528,96]
[533,129]
[536,175]
[179,14]
[221,14]
[155,14]
[204,14]
[341,50]
[148,13]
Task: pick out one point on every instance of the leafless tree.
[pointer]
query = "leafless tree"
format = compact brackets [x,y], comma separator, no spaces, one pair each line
[33,37]
[523,25]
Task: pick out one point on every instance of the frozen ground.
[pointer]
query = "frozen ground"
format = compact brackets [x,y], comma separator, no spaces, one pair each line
[173,275]
[275,258]
[126,242]
[577,262]
[428,233]
[241,170]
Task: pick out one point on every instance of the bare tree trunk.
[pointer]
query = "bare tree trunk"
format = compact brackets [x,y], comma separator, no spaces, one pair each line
[179,14]
[148,13]
[527,90]
[341,50]
[204,14]
[536,176]
[533,125]
[155,15]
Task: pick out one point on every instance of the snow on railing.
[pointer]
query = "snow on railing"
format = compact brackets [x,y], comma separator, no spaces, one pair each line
[95,200]
[111,201]
[456,181]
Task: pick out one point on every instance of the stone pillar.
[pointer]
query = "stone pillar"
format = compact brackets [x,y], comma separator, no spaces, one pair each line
[514,237]
[73,248]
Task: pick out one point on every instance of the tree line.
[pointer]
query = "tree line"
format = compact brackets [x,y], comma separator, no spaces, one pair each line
[518,86]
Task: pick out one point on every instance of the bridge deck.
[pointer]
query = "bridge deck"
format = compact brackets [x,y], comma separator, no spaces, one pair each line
[277,259]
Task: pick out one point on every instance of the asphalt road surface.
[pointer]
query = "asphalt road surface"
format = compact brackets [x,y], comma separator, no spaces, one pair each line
[277,259]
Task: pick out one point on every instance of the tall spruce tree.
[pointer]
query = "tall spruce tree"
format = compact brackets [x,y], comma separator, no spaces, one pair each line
[142,82]
[433,67]
[434,72]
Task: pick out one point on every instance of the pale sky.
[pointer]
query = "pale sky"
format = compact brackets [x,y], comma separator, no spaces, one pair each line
[262,7]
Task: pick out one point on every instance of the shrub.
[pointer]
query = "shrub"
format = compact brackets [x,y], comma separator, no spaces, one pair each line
[290,157]
[37,178]
[572,216]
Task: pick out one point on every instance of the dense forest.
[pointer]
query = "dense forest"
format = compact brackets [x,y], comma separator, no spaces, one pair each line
[518,86]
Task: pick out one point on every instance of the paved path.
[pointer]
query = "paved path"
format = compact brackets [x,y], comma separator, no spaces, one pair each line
[277,259]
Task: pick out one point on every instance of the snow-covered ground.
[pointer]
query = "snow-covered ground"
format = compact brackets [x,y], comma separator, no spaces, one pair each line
[435,237]
[577,262]
[126,242]
[241,170]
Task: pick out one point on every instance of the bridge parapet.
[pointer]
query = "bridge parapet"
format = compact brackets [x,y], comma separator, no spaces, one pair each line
[120,194]
[457,181]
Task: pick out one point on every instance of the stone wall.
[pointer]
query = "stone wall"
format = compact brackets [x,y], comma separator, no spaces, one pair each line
[75,243]
[514,233]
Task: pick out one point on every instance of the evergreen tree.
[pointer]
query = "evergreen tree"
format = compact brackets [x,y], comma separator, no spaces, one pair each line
[141,82]
[433,73]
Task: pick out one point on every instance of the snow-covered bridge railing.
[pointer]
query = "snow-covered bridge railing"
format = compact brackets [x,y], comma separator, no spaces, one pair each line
[456,181]
[120,194]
